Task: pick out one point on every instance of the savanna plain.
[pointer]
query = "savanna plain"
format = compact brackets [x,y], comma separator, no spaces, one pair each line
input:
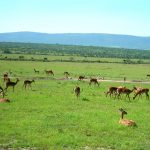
[49,116]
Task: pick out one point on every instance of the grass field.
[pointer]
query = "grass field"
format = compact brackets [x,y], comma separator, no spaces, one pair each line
[69,58]
[50,116]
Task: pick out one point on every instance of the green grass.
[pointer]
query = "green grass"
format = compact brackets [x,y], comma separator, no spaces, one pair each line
[51,117]
[69,58]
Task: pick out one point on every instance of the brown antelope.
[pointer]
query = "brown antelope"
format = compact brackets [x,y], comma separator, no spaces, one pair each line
[12,84]
[77,91]
[141,91]
[81,78]
[49,72]
[93,80]
[124,90]
[4,100]
[112,90]
[126,122]
[28,83]
[36,71]
[66,74]
[6,78]
[136,90]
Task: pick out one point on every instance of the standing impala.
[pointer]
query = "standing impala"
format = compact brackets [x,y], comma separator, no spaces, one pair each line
[49,72]
[11,84]
[28,83]
[77,91]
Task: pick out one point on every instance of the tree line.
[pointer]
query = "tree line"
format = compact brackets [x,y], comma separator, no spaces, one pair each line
[62,50]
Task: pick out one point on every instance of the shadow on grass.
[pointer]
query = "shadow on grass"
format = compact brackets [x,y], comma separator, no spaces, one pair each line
[85,99]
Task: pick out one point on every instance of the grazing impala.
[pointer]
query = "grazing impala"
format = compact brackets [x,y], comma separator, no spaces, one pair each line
[124,90]
[112,90]
[141,91]
[49,72]
[36,71]
[136,90]
[11,84]
[93,80]
[28,83]
[77,91]
[66,74]
[81,78]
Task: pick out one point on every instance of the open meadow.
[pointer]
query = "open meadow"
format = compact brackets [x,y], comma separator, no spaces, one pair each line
[49,116]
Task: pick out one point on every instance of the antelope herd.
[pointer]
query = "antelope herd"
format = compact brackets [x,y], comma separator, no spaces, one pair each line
[112,92]
[118,91]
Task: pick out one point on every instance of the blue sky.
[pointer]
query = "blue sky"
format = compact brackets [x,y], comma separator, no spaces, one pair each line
[130,17]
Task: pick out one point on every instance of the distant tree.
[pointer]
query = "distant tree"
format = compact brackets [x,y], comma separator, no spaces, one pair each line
[45,59]
[139,61]
[71,58]
[21,57]
[6,51]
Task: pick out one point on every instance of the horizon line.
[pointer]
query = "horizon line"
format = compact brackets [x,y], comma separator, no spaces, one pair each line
[73,33]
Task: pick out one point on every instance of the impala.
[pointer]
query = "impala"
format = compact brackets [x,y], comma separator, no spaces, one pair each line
[36,71]
[93,80]
[11,84]
[77,91]
[141,91]
[28,83]
[49,72]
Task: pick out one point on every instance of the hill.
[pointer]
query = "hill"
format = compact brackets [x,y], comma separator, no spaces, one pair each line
[85,39]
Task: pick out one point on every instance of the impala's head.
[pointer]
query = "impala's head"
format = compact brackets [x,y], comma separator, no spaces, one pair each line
[123,112]
[33,80]
[5,74]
